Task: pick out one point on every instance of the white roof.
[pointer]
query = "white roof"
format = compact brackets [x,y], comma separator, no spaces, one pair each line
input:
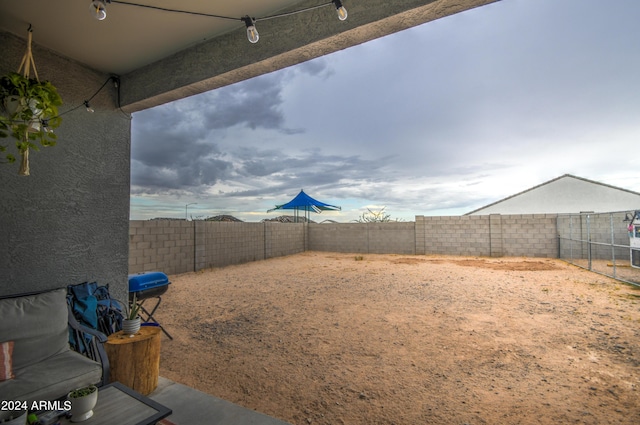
[565,194]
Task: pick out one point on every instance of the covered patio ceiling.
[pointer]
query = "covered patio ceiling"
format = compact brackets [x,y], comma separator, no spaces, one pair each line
[163,55]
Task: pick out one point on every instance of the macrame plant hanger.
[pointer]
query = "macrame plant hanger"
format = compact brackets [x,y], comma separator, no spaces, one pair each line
[25,68]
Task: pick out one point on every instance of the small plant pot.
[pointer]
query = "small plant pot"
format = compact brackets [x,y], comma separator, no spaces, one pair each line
[15,417]
[131,327]
[82,407]
[15,105]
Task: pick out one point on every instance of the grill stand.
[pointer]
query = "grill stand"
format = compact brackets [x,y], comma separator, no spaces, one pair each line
[150,318]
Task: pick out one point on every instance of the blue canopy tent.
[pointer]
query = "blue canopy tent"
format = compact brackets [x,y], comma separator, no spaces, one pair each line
[304,202]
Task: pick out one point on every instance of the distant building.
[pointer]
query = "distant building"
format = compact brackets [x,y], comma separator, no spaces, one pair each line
[565,194]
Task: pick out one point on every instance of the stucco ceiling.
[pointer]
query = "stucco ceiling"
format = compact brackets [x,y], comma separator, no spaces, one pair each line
[130,37]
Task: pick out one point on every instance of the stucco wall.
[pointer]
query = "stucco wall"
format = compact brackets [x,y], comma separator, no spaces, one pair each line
[67,222]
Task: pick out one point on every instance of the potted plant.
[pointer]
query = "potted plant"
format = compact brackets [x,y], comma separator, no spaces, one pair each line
[30,115]
[83,400]
[131,323]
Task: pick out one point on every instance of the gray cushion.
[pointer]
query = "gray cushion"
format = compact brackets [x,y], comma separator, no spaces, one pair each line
[38,325]
[52,378]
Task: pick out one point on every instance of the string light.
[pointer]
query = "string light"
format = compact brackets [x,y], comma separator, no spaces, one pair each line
[41,125]
[45,126]
[89,108]
[252,32]
[342,12]
[113,78]
[99,11]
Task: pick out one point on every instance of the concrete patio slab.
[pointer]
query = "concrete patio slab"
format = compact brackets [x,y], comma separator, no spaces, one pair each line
[194,407]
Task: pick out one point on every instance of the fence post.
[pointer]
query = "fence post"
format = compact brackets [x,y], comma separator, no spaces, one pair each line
[589,240]
[571,237]
[559,247]
[195,248]
[496,245]
[613,248]
[264,240]
[200,260]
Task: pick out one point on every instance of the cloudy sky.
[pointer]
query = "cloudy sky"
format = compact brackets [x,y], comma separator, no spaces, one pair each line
[440,119]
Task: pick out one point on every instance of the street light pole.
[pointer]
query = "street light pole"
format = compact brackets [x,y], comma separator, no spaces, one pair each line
[186,208]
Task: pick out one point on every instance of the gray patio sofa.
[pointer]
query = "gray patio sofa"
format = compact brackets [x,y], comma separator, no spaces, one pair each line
[44,365]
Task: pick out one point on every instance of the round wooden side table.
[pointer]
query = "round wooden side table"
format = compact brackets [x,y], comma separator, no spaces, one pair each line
[135,360]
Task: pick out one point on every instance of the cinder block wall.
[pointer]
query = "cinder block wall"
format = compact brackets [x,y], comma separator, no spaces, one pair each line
[488,235]
[374,238]
[491,235]
[570,227]
[178,246]
[530,235]
[338,237]
[391,238]
[161,245]
[228,243]
[175,246]
[284,239]
[608,228]
[600,228]
[453,235]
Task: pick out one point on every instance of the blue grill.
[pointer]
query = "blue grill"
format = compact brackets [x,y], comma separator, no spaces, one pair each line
[148,285]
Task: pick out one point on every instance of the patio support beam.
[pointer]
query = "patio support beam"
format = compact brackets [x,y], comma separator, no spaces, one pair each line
[230,58]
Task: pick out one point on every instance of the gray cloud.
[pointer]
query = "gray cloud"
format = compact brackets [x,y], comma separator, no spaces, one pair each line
[451,115]
[177,146]
[168,155]
[254,104]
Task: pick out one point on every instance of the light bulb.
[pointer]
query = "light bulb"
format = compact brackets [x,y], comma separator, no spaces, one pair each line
[98,9]
[342,12]
[34,126]
[252,32]
[45,126]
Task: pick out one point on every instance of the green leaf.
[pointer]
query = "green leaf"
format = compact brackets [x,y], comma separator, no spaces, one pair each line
[36,100]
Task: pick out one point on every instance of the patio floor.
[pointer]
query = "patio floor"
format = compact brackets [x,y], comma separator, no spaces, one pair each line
[193,407]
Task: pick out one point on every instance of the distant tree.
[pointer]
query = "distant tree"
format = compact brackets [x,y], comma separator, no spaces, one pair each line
[379,216]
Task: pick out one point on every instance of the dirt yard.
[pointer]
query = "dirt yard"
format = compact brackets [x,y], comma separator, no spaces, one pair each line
[325,338]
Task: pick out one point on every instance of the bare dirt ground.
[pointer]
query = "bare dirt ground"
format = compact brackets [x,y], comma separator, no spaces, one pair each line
[326,338]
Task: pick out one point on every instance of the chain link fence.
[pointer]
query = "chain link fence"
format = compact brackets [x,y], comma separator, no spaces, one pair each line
[601,243]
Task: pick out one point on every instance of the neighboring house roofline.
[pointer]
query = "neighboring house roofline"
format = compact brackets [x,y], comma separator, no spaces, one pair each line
[548,182]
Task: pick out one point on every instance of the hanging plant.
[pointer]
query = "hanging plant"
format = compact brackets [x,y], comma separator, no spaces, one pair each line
[31,110]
